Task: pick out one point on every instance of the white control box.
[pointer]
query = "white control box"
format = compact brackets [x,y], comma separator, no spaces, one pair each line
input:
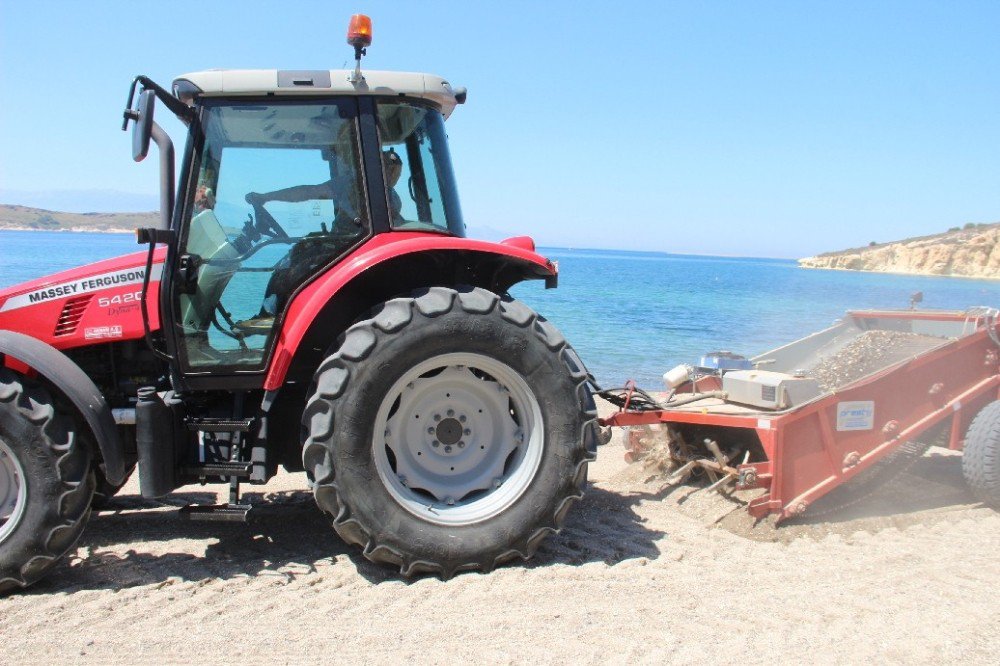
[769,390]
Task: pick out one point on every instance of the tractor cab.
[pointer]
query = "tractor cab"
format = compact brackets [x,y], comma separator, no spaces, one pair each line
[286,173]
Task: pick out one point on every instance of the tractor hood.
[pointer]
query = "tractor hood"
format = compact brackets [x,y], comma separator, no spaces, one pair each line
[84,305]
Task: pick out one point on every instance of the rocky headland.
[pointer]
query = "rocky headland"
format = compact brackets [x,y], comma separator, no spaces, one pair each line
[24,218]
[973,252]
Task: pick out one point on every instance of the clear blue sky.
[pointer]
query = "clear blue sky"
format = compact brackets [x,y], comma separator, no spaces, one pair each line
[746,128]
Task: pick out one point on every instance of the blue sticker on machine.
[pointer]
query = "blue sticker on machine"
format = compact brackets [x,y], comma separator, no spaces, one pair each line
[856,415]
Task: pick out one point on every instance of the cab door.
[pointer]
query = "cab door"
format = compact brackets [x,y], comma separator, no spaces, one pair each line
[277,195]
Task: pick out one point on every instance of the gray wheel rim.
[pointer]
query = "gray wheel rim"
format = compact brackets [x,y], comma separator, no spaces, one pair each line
[12,491]
[458,439]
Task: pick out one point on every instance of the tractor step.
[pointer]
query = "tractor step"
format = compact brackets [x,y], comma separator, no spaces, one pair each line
[228,513]
[219,425]
[227,469]
[235,511]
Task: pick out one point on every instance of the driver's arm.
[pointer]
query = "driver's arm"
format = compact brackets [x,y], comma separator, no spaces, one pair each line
[294,194]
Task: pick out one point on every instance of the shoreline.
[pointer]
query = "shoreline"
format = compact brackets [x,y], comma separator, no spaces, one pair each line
[901,273]
[73,230]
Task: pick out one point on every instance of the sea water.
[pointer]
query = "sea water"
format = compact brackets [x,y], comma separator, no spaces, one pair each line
[630,314]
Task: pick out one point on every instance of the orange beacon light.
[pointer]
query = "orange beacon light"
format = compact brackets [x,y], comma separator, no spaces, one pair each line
[359,35]
[359,31]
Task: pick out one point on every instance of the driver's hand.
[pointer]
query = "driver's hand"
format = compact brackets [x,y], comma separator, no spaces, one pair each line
[254,198]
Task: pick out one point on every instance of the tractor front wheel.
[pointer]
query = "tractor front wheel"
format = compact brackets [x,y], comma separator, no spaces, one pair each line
[450,431]
[45,483]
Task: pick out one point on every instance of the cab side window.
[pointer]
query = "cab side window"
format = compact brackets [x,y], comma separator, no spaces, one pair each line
[420,185]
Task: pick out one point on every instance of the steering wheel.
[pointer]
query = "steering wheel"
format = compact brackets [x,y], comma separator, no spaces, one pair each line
[264,222]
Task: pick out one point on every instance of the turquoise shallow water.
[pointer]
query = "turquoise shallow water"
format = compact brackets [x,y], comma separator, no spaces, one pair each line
[630,314]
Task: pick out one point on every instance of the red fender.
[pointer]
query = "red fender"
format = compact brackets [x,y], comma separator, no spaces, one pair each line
[307,303]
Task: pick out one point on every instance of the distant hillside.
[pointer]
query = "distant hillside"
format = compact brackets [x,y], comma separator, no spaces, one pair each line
[35,219]
[973,251]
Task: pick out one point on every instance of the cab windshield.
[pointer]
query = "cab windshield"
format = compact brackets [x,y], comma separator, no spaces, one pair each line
[420,183]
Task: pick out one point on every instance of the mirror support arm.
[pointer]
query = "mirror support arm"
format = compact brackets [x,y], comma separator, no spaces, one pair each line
[177,107]
[166,150]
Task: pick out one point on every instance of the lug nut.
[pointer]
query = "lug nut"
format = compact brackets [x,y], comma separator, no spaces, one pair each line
[447,449]
[430,431]
[451,412]
[437,417]
[435,443]
[466,432]
[461,444]
[462,418]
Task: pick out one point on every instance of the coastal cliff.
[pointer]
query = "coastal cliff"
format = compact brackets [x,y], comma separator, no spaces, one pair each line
[971,252]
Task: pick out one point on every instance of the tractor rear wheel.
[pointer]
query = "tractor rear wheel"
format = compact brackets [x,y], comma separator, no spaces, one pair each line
[981,455]
[45,483]
[450,431]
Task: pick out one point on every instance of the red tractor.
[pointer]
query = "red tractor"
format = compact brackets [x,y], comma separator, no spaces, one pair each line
[310,301]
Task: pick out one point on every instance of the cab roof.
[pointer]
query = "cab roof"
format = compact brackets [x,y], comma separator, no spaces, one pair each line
[248,82]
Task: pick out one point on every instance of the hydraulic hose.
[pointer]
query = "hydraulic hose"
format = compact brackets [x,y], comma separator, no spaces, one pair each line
[635,399]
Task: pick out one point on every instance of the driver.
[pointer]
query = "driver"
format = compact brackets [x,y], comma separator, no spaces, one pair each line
[392,166]
[204,199]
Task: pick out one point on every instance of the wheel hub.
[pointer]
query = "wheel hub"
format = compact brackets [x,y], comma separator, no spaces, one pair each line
[454,438]
[442,459]
[449,431]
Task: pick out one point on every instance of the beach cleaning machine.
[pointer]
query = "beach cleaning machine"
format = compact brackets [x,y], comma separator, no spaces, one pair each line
[801,420]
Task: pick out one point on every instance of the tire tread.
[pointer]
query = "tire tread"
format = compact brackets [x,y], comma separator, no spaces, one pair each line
[981,457]
[65,518]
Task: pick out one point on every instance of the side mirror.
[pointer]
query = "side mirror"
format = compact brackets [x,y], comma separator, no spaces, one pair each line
[142,130]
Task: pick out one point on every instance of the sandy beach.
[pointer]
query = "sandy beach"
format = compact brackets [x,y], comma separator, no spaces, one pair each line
[908,575]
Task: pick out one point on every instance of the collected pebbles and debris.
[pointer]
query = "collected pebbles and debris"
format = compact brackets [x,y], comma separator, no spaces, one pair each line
[868,353]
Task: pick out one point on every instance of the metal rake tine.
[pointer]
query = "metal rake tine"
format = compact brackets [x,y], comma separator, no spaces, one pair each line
[720,482]
[684,470]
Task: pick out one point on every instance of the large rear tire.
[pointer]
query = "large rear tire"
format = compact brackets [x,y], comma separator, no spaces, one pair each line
[981,455]
[45,483]
[450,431]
